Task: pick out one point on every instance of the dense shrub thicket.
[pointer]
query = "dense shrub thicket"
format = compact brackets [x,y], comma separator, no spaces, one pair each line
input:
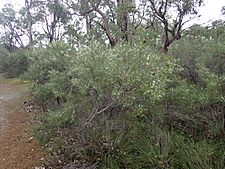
[13,64]
[152,98]
[130,107]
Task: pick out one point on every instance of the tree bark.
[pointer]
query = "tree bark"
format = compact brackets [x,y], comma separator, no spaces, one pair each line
[105,26]
[123,18]
[30,24]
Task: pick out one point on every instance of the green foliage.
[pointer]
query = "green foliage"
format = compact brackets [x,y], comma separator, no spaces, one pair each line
[196,104]
[214,57]
[13,64]
[189,154]
[43,61]
[147,37]
[128,107]
[121,83]
[46,71]
[48,132]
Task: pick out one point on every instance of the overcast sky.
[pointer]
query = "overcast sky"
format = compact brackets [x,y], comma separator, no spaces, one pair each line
[211,10]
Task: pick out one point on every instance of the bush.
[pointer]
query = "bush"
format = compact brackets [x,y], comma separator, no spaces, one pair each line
[48,73]
[107,90]
[127,107]
[13,64]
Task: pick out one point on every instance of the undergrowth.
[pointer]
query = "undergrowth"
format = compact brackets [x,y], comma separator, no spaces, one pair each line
[128,108]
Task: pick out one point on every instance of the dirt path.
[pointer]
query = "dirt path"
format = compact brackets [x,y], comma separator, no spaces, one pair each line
[18,150]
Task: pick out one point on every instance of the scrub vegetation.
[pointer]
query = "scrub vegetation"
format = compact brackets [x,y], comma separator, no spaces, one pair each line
[128,91]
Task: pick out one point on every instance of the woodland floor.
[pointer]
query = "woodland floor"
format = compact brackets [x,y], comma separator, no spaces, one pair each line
[18,149]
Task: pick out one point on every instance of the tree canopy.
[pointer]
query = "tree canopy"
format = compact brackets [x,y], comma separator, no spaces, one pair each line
[110,21]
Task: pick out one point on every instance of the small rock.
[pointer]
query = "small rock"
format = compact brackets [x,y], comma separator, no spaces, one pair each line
[30,139]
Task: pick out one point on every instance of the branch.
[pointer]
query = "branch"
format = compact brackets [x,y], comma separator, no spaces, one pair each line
[111,38]
[111,10]
[96,112]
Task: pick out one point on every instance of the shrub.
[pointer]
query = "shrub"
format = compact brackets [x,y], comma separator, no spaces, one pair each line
[13,64]
[107,90]
[48,65]
[127,107]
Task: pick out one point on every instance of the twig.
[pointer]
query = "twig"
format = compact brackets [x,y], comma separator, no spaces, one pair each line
[96,112]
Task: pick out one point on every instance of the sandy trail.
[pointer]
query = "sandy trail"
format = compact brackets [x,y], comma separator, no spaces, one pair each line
[18,150]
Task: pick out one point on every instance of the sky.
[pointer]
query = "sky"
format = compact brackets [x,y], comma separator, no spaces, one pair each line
[211,11]
[16,3]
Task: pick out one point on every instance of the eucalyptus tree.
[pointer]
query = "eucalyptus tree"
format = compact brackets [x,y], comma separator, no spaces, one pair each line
[11,31]
[30,17]
[53,16]
[111,17]
[173,15]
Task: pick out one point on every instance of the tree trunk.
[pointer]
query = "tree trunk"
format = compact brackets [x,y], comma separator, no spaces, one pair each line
[29,18]
[122,18]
